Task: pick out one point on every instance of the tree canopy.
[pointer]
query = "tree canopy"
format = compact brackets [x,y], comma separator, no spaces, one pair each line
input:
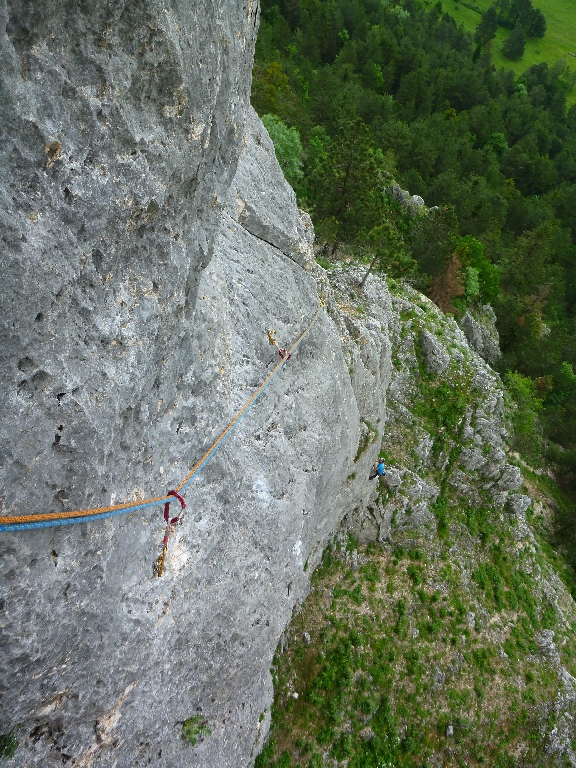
[382,93]
[513,46]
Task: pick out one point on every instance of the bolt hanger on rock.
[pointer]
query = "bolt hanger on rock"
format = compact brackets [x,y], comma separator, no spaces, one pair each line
[282,351]
[171,523]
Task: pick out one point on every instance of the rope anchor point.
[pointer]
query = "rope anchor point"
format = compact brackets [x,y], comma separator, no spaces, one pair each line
[50,519]
[171,523]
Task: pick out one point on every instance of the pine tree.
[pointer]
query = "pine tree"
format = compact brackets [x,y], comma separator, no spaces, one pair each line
[513,46]
[537,26]
[486,30]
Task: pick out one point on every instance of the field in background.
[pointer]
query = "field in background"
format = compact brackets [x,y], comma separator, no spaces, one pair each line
[558,43]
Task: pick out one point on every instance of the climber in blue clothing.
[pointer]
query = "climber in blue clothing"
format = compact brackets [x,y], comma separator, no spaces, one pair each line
[378,469]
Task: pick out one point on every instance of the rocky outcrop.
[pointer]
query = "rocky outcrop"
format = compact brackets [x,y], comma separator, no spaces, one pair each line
[413,203]
[150,243]
[435,357]
[445,435]
[479,326]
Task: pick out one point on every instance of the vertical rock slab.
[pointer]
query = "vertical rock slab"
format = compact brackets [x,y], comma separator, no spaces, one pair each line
[122,125]
[136,297]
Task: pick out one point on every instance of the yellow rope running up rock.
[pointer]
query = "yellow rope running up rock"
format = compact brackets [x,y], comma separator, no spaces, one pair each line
[50,519]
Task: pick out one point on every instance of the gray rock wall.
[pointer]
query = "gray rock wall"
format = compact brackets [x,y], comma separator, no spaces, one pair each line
[122,128]
[150,241]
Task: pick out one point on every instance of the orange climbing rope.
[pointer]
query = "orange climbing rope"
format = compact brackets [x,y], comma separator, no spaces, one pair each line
[49,519]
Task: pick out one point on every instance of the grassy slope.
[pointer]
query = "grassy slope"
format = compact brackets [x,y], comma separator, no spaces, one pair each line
[559,41]
[398,673]
[426,653]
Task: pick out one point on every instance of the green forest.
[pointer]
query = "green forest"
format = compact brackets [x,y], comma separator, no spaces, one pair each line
[365,98]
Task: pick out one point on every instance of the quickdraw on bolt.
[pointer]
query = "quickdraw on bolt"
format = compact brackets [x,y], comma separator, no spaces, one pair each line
[68,517]
[169,530]
[281,350]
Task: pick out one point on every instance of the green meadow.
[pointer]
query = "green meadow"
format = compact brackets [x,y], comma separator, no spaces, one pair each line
[558,43]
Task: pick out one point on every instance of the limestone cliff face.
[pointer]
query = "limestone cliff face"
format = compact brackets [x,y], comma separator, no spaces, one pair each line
[122,124]
[150,241]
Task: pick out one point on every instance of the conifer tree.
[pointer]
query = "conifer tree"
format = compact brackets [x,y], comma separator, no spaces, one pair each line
[486,30]
[513,46]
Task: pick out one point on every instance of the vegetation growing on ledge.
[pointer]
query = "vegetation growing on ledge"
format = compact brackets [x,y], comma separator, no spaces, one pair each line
[381,91]
[412,659]
[8,744]
[195,728]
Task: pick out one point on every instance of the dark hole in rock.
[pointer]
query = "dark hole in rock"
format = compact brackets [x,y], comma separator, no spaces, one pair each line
[57,439]
[37,733]
[39,317]
[59,397]
[23,389]
[155,286]
[98,259]
[25,365]
[68,195]
[60,428]
[40,380]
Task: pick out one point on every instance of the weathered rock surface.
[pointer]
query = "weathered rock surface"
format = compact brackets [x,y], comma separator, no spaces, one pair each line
[122,129]
[479,327]
[266,205]
[435,357]
[150,242]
